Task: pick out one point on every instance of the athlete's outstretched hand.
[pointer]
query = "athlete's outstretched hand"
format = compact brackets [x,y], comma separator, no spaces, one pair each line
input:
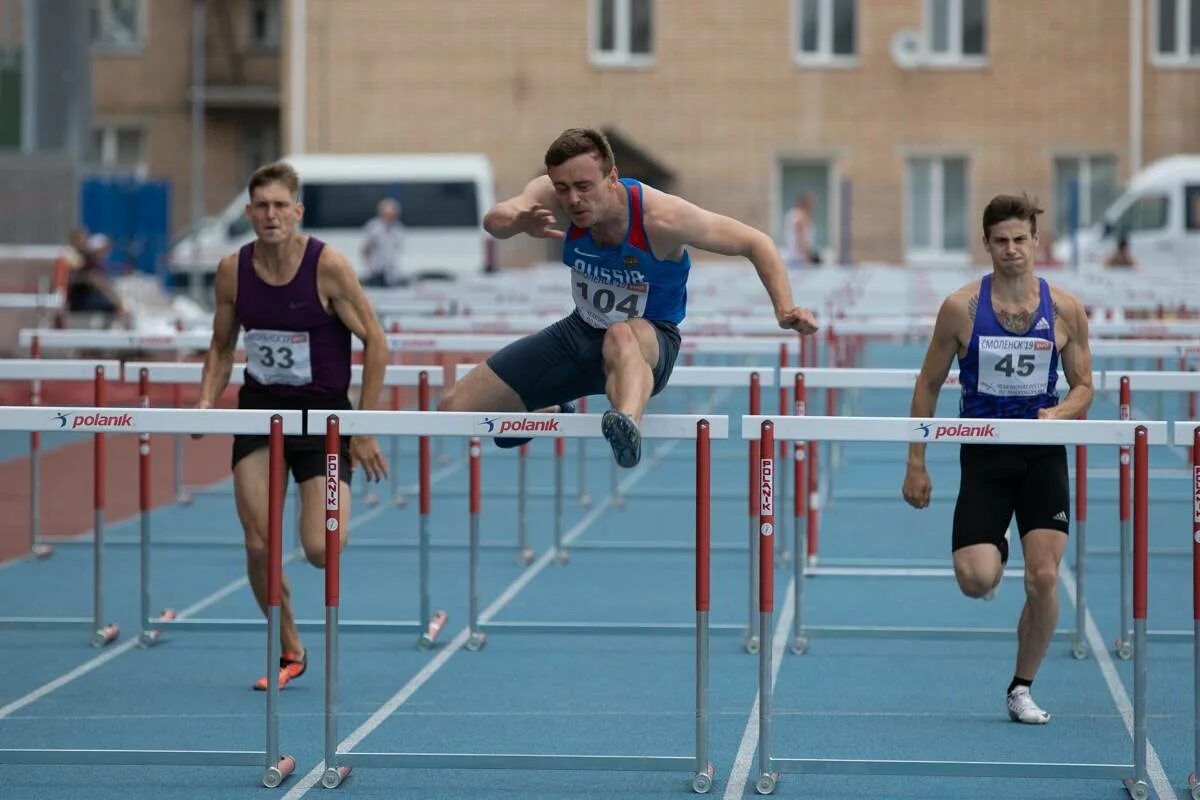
[797,319]
[538,222]
[364,452]
[917,487]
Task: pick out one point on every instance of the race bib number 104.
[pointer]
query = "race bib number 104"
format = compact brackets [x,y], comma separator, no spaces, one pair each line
[278,357]
[602,304]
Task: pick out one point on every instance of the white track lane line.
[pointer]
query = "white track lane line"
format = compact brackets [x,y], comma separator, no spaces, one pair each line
[1154,767]
[744,761]
[219,594]
[313,777]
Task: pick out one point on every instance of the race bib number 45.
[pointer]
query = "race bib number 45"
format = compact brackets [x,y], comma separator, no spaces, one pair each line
[1014,367]
[278,357]
[601,304]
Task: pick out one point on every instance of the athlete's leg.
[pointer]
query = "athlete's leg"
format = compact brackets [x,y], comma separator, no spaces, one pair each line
[481,390]
[982,514]
[312,518]
[1043,551]
[251,489]
[630,354]
[977,567]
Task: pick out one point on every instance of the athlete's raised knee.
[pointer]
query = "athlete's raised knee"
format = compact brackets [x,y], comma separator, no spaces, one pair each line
[975,582]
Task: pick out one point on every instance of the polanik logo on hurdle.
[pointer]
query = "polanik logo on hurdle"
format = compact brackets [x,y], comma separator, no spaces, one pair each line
[958,431]
[519,425]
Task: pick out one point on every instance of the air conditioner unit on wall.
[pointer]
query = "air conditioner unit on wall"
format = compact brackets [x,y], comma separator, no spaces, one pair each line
[908,48]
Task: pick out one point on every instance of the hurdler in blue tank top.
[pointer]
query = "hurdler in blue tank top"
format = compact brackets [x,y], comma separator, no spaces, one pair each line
[629,264]
[295,307]
[1013,364]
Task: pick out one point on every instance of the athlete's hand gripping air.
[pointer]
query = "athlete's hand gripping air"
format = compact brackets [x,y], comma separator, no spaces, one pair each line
[798,319]
[538,221]
[917,486]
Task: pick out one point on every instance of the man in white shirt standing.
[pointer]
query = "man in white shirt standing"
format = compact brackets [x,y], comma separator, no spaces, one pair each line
[384,240]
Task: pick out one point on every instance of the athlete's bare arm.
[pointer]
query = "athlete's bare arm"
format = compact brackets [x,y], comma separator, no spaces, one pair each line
[953,318]
[1071,325]
[218,364]
[673,223]
[531,212]
[339,287]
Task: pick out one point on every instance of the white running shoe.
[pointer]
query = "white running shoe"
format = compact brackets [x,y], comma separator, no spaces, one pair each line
[1022,708]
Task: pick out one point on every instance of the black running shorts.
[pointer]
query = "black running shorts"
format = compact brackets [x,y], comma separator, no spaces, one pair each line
[305,455]
[564,362]
[1000,479]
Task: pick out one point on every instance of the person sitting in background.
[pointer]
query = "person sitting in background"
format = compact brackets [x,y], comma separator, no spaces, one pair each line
[88,285]
[1121,257]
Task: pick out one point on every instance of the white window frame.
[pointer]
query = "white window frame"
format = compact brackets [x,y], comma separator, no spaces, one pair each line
[108,147]
[936,254]
[824,55]
[103,46]
[1181,58]
[270,44]
[954,57]
[1084,163]
[619,56]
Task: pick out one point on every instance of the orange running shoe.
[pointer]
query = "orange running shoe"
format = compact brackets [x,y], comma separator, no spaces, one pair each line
[291,666]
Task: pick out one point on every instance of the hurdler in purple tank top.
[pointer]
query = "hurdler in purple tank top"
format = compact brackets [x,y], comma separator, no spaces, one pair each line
[295,306]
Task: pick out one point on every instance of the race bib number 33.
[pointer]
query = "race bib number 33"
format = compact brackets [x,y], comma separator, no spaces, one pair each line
[278,357]
[1011,366]
[602,304]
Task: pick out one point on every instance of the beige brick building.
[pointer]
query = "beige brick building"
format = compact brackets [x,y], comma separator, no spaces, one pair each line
[738,105]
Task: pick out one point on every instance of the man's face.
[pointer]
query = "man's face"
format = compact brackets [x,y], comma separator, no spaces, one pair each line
[274,213]
[1011,244]
[583,190]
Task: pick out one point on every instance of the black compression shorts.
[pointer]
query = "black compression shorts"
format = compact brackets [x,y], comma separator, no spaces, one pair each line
[564,362]
[1000,479]
[305,455]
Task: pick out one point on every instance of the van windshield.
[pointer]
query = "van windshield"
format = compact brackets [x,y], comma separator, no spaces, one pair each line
[425,204]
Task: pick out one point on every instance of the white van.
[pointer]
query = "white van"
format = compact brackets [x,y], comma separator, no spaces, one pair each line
[443,197]
[1159,214]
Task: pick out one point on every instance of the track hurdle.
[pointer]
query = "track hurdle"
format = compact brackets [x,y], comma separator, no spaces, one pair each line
[144,421]
[99,373]
[1140,435]
[1186,431]
[470,425]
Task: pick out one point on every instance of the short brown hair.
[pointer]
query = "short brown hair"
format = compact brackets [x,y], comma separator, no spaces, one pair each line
[279,172]
[1010,206]
[577,141]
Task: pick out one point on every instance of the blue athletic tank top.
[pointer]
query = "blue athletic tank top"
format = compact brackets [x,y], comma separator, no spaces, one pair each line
[1006,375]
[611,284]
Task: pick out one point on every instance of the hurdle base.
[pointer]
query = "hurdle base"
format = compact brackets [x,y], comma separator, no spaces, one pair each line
[614,628]
[273,776]
[194,758]
[355,626]
[1138,790]
[525,761]
[954,769]
[898,632]
[1194,786]
[333,776]
[429,636]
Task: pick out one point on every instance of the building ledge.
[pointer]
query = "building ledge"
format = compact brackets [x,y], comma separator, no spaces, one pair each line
[241,96]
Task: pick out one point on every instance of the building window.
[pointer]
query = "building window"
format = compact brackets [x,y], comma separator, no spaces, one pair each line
[265,23]
[118,24]
[1095,182]
[119,147]
[937,207]
[825,31]
[623,33]
[260,145]
[956,31]
[1192,198]
[1176,27]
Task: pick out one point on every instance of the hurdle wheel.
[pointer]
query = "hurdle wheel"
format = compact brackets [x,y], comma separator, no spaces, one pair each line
[1079,651]
[1124,650]
[562,557]
[476,642]
[525,557]
[766,783]
[106,635]
[41,551]
[799,645]
[585,501]
[400,500]
[702,782]
[1138,790]
[751,643]
[333,776]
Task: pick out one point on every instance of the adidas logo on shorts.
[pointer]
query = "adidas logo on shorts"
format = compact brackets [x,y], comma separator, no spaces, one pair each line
[1041,325]
[1060,516]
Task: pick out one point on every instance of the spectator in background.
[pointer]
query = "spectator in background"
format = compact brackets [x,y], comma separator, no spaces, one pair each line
[382,246]
[1121,257]
[798,234]
[88,284]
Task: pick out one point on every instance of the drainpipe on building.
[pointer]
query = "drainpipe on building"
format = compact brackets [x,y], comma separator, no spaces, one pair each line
[1135,86]
[298,76]
[195,281]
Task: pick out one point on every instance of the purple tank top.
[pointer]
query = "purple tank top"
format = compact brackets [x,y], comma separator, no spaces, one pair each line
[296,348]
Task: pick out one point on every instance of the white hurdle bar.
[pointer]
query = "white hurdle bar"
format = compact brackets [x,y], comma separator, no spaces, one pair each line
[144,421]
[471,425]
[935,431]
[189,373]
[430,622]
[753,379]
[36,370]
